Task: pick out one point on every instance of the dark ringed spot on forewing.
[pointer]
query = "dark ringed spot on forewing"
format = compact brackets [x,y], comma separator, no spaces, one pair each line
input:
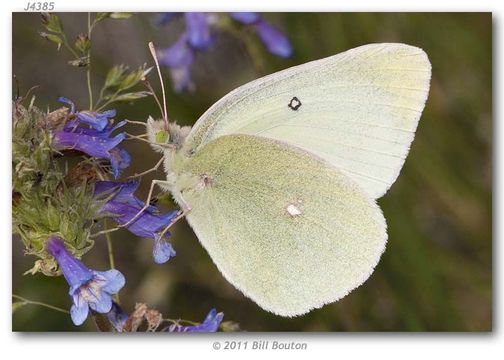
[295,103]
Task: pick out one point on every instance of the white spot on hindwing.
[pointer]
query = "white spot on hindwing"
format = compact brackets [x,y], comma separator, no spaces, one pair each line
[294,208]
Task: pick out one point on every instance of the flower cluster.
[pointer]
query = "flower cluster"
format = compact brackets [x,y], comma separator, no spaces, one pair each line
[198,36]
[121,321]
[91,289]
[90,133]
[122,205]
[88,288]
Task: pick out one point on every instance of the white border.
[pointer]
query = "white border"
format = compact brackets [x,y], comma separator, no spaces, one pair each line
[342,346]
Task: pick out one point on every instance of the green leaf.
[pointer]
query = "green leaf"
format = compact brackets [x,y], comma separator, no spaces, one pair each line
[101,15]
[52,23]
[132,96]
[115,76]
[52,38]
[131,80]
[82,43]
[120,15]
[134,78]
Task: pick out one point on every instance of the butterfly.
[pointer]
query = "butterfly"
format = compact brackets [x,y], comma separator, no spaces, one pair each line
[279,178]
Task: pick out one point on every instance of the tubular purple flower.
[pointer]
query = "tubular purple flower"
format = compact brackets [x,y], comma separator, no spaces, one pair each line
[93,142]
[198,37]
[147,225]
[122,192]
[88,288]
[198,30]
[99,121]
[181,79]
[179,58]
[117,317]
[274,40]
[123,205]
[178,55]
[119,159]
[210,324]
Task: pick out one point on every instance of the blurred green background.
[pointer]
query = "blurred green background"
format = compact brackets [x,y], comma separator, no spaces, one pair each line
[436,274]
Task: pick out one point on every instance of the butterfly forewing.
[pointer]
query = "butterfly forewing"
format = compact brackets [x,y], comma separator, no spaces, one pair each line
[358,110]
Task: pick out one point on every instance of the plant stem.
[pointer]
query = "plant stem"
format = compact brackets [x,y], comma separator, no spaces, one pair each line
[111,100]
[27,301]
[110,251]
[109,247]
[67,45]
[88,70]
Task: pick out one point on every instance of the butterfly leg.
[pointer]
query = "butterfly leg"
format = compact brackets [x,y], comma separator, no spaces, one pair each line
[186,208]
[154,168]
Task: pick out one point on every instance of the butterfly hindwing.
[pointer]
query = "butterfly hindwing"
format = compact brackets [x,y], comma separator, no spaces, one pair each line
[285,227]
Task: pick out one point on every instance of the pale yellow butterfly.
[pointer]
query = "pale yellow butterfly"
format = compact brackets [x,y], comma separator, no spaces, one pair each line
[279,178]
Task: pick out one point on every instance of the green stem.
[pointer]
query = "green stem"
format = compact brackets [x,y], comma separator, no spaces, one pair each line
[27,301]
[67,46]
[110,251]
[88,70]
[111,100]
[109,247]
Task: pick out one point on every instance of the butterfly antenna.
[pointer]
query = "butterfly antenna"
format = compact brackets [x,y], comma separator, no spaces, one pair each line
[153,53]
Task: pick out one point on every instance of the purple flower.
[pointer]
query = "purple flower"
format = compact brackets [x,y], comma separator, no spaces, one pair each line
[246,18]
[274,40]
[99,121]
[117,317]
[122,206]
[198,37]
[121,192]
[179,58]
[94,141]
[88,288]
[198,30]
[165,18]
[178,55]
[210,324]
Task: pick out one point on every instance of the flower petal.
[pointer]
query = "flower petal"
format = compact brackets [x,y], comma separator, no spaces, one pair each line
[117,317]
[246,18]
[198,30]
[119,159]
[114,281]
[162,251]
[107,114]
[98,122]
[102,304]
[64,100]
[210,324]
[181,79]
[79,310]
[274,40]
[74,271]
[177,55]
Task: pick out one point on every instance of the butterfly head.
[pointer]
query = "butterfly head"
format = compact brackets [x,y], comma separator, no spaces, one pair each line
[162,139]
